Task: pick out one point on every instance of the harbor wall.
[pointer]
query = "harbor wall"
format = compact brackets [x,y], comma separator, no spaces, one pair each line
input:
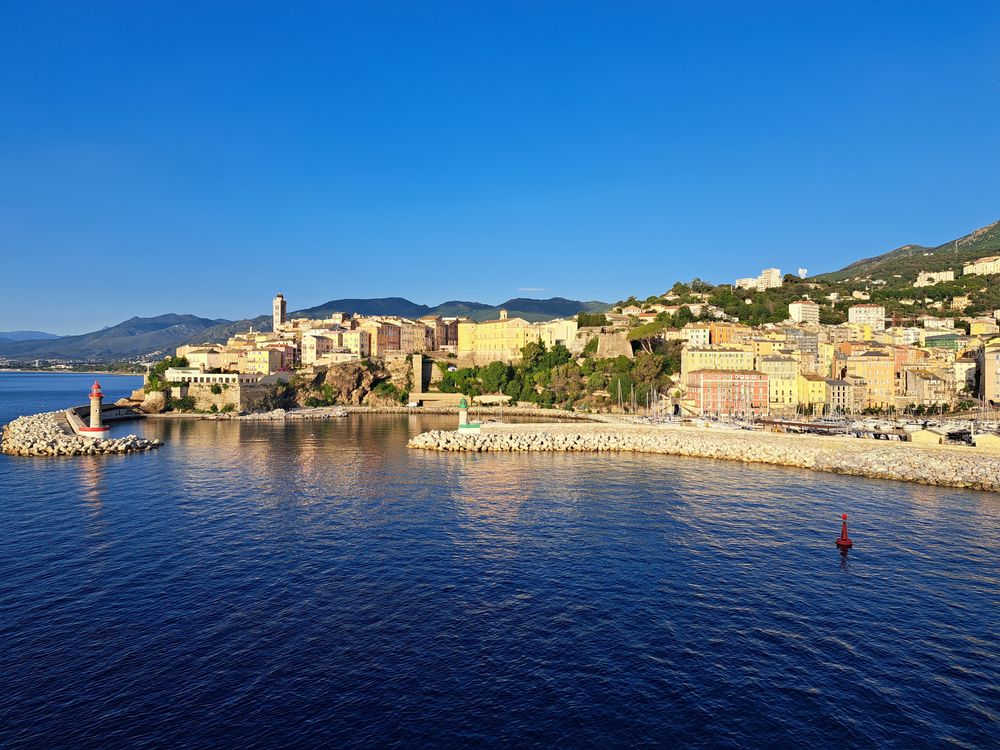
[945,466]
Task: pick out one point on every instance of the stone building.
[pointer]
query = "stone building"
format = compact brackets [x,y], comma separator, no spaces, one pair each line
[278,312]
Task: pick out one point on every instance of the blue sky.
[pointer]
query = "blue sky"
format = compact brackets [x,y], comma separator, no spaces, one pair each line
[199,157]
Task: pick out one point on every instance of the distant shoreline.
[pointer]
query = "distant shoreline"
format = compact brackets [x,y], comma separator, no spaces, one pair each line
[71,372]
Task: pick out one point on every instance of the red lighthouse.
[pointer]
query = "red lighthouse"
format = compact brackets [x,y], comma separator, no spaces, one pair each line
[97,428]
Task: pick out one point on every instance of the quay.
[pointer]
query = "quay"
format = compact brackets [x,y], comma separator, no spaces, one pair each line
[944,465]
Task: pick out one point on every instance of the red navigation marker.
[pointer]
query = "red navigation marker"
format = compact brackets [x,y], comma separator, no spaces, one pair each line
[844,541]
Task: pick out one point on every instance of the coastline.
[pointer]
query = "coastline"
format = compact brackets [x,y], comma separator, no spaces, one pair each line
[328,412]
[942,466]
[71,372]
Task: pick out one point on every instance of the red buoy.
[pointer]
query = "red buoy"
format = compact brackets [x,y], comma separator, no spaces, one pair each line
[843,541]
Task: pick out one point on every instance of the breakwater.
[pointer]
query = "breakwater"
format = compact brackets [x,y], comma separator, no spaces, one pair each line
[942,466]
[44,435]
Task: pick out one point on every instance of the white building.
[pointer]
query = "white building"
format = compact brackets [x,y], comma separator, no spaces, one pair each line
[804,311]
[770,278]
[983,267]
[697,334]
[872,316]
[930,278]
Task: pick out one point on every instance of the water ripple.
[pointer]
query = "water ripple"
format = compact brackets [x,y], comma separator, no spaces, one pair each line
[320,585]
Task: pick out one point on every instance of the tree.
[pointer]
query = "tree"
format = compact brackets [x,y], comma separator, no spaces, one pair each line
[672,356]
[684,316]
[494,376]
[531,354]
[648,368]
[645,334]
[557,355]
[591,319]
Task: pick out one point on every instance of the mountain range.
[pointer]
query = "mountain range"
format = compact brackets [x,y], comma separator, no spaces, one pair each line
[149,337]
[26,335]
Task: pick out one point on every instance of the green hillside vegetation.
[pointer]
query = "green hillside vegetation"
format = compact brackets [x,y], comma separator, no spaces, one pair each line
[894,271]
[901,266]
[554,378]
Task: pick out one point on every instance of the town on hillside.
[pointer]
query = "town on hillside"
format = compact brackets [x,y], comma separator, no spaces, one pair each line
[687,351]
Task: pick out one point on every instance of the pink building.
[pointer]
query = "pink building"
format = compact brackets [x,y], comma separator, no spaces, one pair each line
[730,393]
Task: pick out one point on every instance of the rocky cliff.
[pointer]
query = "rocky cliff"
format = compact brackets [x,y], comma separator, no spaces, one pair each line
[365,383]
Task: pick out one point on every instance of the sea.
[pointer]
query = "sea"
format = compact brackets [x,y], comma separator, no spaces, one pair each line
[317,584]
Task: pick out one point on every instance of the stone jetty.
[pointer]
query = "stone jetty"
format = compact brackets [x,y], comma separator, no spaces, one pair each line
[45,435]
[281,415]
[946,466]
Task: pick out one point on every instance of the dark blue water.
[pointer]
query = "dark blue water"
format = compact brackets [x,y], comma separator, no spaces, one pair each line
[261,585]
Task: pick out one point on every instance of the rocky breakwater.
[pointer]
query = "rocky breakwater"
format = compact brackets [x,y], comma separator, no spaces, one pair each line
[282,415]
[943,466]
[43,435]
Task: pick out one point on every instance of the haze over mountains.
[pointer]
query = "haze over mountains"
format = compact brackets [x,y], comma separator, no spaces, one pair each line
[142,337]
[26,335]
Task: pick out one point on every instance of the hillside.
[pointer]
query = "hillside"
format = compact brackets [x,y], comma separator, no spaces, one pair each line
[135,337]
[900,266]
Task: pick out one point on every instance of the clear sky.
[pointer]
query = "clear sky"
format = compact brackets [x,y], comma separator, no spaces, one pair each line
[198,157]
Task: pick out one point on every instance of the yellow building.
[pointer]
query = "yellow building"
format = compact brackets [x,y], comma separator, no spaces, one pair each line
[860,332]
[714,358]
[812,392]
[983,327]
[824,358]
[202,357]
[493,340]
[782,383]
[768,344]
[877,370]
[259,361]
[502,340]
